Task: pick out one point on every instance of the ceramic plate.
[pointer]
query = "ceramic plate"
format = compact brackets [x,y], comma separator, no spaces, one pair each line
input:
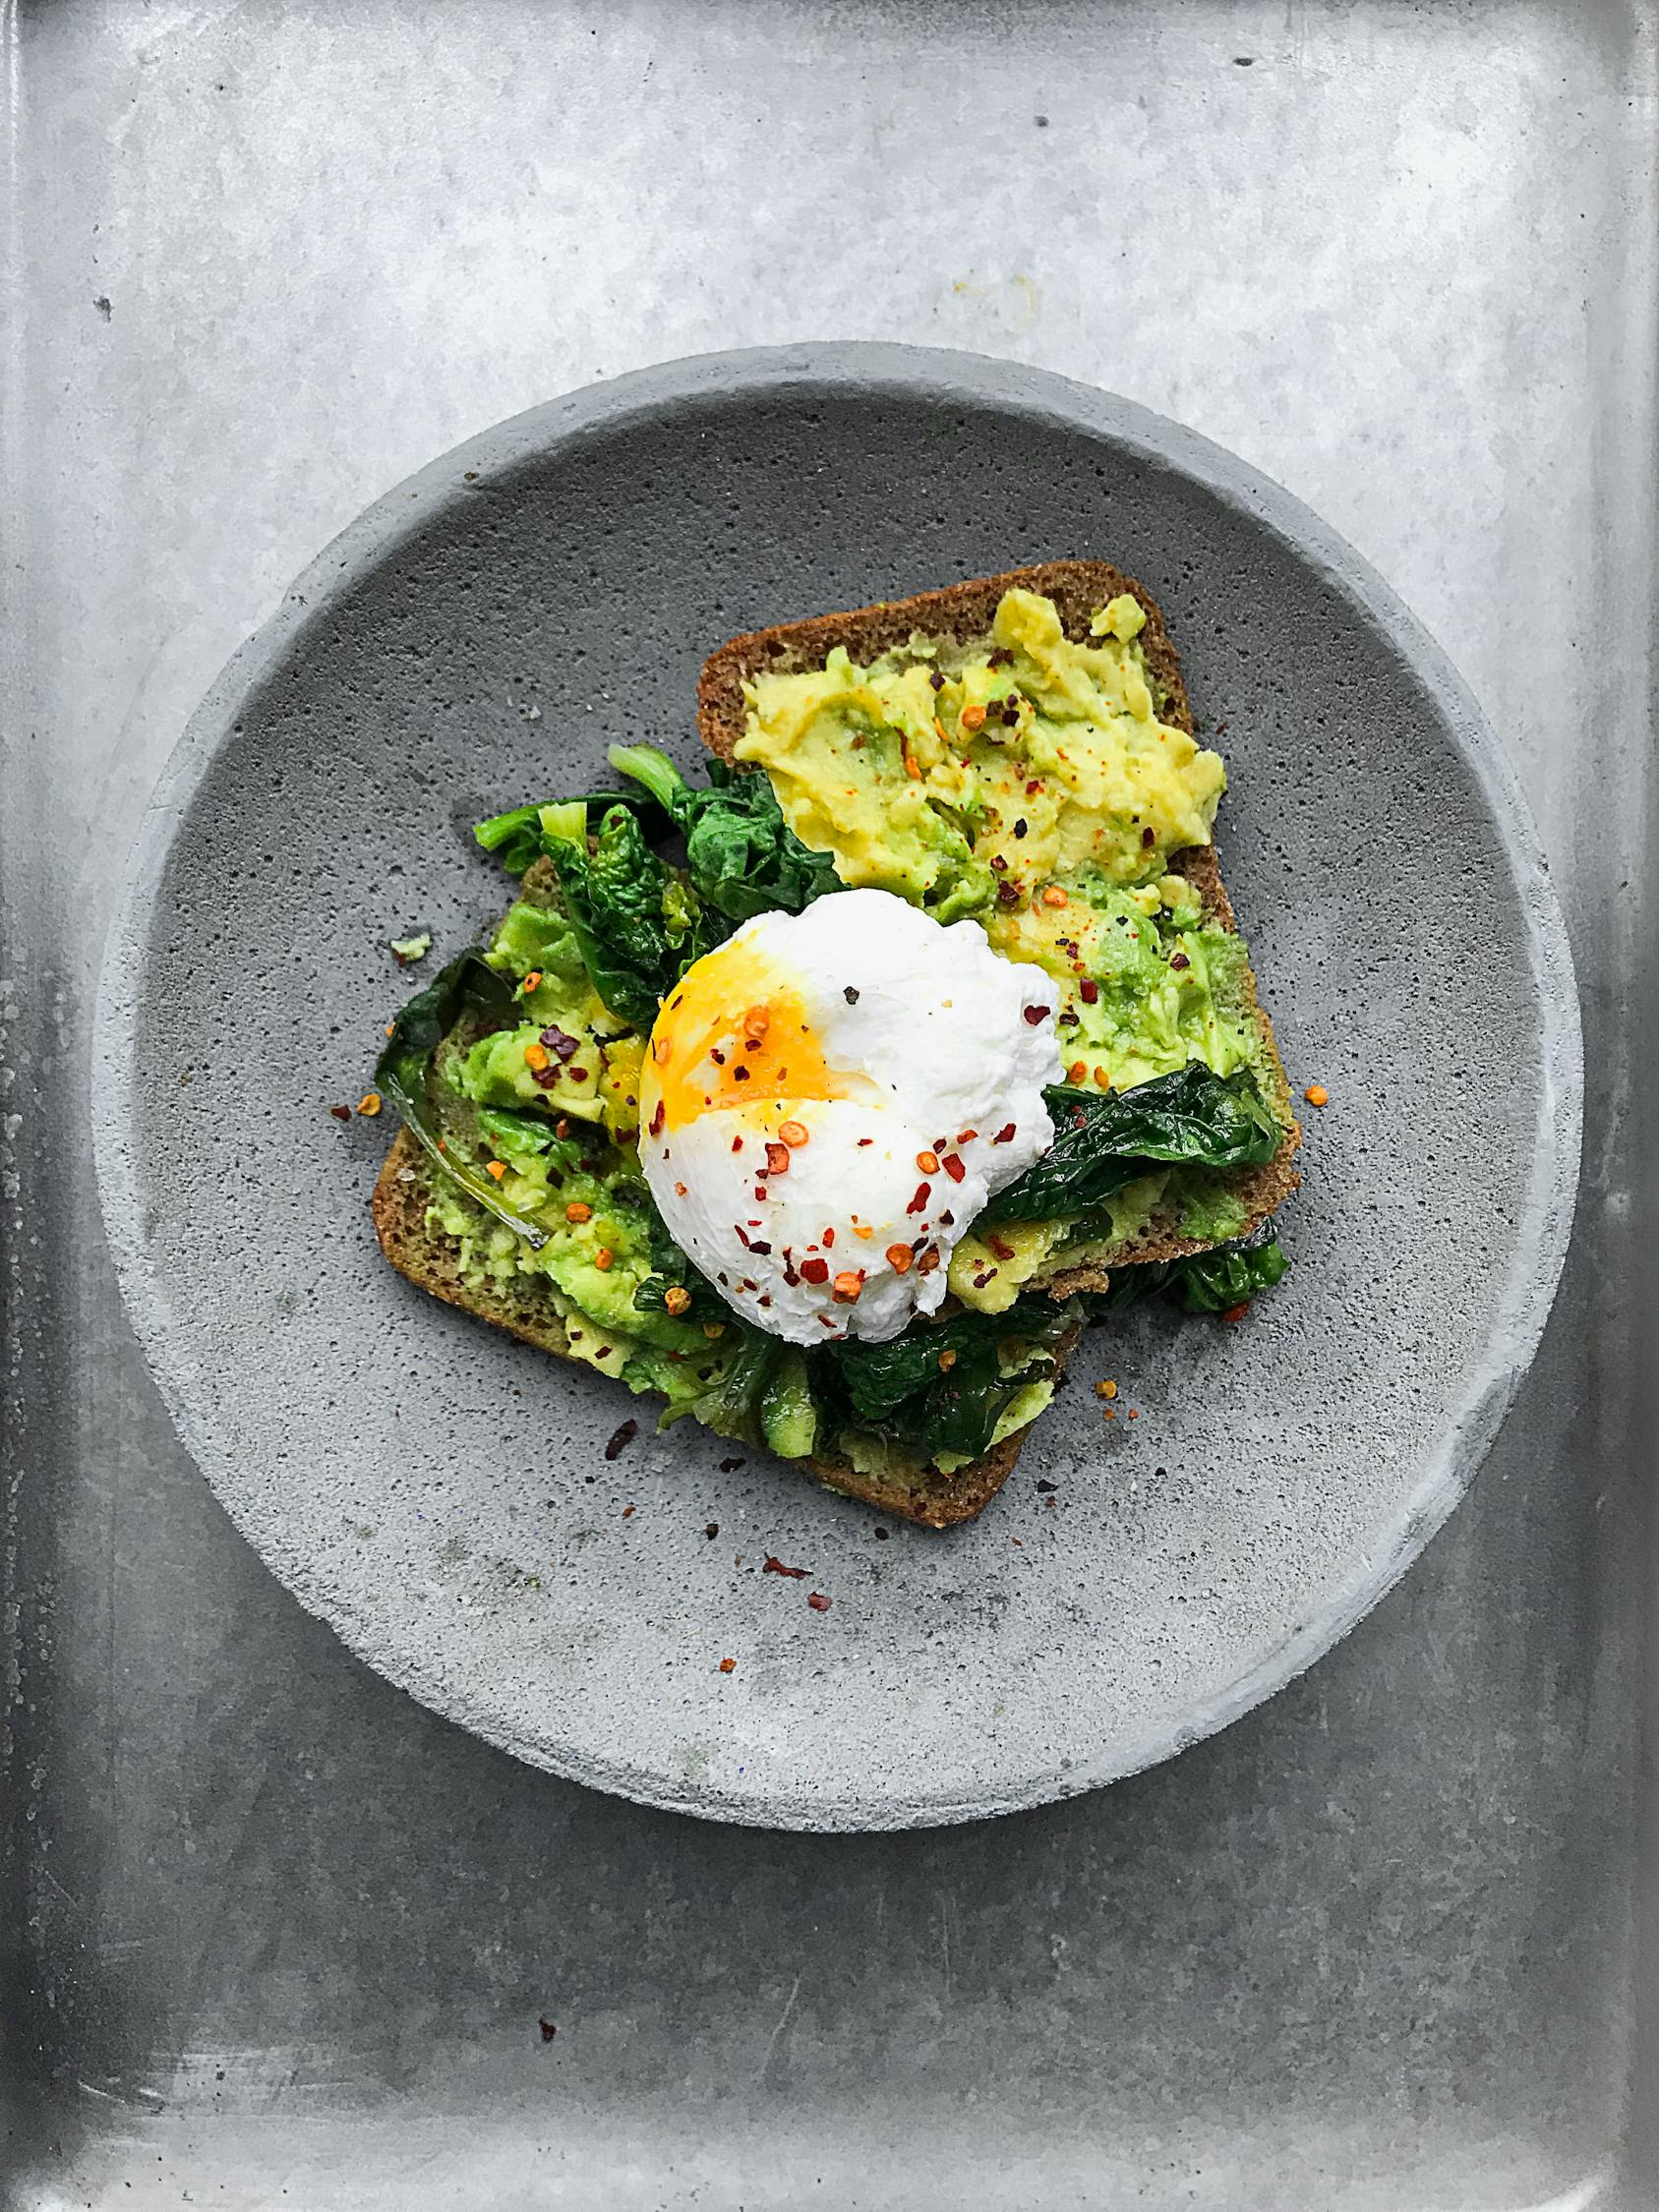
[441,1496]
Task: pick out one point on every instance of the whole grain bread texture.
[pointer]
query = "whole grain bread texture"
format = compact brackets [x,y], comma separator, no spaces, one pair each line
[963,613]
[431,1260]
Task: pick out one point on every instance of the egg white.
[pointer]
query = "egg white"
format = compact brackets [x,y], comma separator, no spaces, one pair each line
[937,1048]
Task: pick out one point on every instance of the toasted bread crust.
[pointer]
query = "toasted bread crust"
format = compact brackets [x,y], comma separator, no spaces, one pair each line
[431,1260]
[963,612]
[960,612]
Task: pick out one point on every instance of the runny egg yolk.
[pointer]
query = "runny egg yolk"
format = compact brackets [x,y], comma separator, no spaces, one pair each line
[736,1031]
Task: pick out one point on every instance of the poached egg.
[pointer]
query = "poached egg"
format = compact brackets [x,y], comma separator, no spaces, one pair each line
[831,1098]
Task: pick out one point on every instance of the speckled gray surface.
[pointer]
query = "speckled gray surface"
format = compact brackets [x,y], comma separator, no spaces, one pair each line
[441,1496]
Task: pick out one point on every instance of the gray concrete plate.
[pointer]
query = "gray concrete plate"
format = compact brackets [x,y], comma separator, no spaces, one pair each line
[441,1496]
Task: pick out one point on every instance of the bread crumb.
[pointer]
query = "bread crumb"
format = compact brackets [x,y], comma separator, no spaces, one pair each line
[1315,1094]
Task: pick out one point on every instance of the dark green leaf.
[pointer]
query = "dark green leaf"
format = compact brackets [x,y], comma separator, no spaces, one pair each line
[743,858]
[671,1270]
[638,927]
[515,837]
[1202,1282]
[732,1405]
[1214,1282]
[1103,1140]
[901,1391]
[467,986]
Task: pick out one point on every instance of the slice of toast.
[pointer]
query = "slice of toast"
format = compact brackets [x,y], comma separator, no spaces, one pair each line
[431,1260]
[963,613]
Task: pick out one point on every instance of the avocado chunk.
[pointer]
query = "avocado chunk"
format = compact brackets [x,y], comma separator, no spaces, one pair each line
[789,1418]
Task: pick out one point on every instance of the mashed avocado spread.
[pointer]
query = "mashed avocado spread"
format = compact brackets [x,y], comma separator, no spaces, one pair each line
[1028,783]
[567,1154]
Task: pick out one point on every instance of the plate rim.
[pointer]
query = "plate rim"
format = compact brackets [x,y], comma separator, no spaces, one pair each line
[471,469]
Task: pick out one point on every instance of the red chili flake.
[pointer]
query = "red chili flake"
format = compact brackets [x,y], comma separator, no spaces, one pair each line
[740,1075]
[728,1666]
[815,1270]
[628,1512]
[1036,1014]
[737,1144]
[828,1239]
[1045,1487]
[1020,826]
[741,1239]
[919,1204]
[1147,836]
[864,1141]
[341,1112]
[1088,990]
[1002,1251]
[1005,1135]
[1008,894]
[548,2031]
[953,1167]
[928,1260]
[760,1251]
[790,1274]
[560,1042]
[544,1079]
[657,1119]
[577,1075]
[1179,959]
[966,1135]
[999,866]
[772,1565]
[620,1441]
[726,1465]
[1238,1312]
[777,1159]
[818,1601]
